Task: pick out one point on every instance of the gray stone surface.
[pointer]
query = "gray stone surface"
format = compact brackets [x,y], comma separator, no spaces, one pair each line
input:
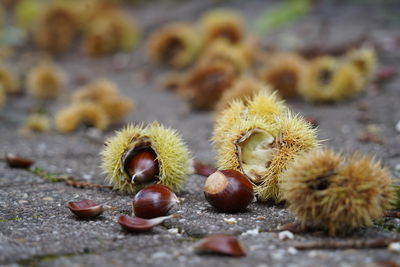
[37,229]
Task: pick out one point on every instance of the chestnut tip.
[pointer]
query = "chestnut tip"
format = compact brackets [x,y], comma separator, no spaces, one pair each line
[85,209]
[221,244]
[228,191]
[153,201]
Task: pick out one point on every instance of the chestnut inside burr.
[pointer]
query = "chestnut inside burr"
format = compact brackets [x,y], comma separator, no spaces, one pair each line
[172,47]
[322,182]
[227,32]
[285,82]
[361,65]
[325,77]
[256,150]
[141,165]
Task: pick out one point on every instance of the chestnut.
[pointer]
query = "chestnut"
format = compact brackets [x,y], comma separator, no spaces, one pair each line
[85,209]
[221,244]
[153,201]
[141,165]
[137,225]
[228,191]
[14,161]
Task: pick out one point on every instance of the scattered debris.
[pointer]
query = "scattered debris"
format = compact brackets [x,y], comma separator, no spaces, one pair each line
[392,213]
[367,136]
[254,231]
[398,126]
[292,250]
[346,244]
[293,227]
[395,247]
[285,235]
[230,220]
[173,231]
[385,74]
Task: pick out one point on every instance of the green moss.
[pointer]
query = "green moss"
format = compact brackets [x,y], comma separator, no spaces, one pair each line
[10,220]
[387,226]
[46,175]
[36,260]
[396,201]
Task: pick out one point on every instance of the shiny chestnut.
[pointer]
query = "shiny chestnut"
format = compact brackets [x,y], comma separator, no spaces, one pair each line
[141,165]
[153,201]
[228,191]
[85,209]
[135,224]
[221,244]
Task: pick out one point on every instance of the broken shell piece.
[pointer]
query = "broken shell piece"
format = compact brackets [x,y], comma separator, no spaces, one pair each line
[221,244]
[14,161]
[138,225]
[85,209]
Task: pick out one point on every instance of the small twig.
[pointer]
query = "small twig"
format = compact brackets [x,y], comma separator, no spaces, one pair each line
[66,179]
[346,244]
[293,227]
[72,182]
[202,169]
[392,213]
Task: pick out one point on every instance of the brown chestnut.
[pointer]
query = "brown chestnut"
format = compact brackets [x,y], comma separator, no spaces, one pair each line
[85,209]
[153,201]
[141,165]
[228,191]
[221,244]
[14,161]
[137,225]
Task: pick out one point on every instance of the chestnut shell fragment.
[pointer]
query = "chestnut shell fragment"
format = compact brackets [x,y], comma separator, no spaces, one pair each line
[14,161]
[85,209]
[221,244]
[138,225]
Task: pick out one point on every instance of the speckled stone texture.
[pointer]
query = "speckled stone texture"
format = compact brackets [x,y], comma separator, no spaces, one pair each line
[36,228]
